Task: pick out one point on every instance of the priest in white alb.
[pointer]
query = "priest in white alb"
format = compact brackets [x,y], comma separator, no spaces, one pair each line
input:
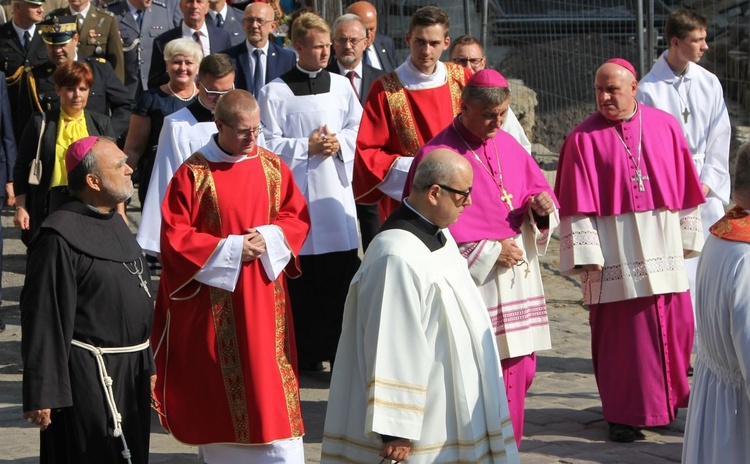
[680,86]
[629,197]
[417,376]
[505,230]
[718,419]
[184,132]
[311,119]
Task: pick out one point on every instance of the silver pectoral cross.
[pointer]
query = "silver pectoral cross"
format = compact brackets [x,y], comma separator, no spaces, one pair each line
[685,114]
[639,178]
[144,285]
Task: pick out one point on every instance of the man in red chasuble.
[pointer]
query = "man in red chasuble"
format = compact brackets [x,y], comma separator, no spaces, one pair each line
[405,109]
[233,224]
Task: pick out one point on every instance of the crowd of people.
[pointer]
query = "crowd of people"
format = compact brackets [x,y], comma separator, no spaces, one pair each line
[270,148]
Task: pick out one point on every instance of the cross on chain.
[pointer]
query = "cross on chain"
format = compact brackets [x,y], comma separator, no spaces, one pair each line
[507,198]
[144,285]
[638,177]
[685,115]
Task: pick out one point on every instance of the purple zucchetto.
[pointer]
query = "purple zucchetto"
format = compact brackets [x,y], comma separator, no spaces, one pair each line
[487,78]
[625,64]
[78,150]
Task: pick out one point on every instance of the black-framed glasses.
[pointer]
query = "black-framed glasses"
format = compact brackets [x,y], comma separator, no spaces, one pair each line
[464,194]
[465,61]
[261,22]
[215,93]
[348,40]
[246,133]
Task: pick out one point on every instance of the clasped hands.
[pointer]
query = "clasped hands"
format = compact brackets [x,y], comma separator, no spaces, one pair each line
[542,204]
[253,245]
[323,142]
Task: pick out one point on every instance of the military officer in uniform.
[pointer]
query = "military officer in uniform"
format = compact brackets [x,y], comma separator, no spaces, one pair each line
[140,22]
[224,16]
[98,34]
[21,46]
[107,95]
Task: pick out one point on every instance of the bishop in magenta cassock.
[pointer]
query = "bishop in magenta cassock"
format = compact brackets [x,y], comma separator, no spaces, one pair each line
[505,230]
[224,343]
[629,197]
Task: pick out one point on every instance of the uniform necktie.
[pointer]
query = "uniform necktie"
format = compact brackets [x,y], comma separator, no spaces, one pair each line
[219,21]
[26,40]
[139,18]
[79,20]
[351,75]
[257,73]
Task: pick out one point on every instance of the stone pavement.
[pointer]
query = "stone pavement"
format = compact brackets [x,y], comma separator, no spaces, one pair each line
[563,413]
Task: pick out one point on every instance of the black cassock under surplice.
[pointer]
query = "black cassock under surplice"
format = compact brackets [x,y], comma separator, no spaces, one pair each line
[82,284]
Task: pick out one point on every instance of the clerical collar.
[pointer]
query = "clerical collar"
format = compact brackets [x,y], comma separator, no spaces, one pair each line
[408,219]
[222,156]
[311,74]
[200,112]
[414,79]
[406,203]
[466,133]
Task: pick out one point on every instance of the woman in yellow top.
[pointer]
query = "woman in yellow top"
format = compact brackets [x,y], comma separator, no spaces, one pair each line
[62,127]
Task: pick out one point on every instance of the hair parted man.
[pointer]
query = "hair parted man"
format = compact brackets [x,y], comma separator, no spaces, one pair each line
[417,369]
[405,109]
[311,118]
[506,229]
[222,300]
[86,315]
[258,60]
[629,198]
[183,132]
[680,86]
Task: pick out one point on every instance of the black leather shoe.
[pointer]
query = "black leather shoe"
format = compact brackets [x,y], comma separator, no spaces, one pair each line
[622,433]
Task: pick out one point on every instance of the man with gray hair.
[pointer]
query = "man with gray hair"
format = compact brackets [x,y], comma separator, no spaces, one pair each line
[718,419]
[234,223]
[417,370]
[86,315]
[184,132]
[504,232]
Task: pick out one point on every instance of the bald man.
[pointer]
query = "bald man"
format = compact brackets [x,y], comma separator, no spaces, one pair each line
[629,197]
[379,53]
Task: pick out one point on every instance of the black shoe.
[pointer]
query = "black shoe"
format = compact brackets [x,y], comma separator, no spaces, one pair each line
[690,371]
[312,367]
[622,433]
[2,326]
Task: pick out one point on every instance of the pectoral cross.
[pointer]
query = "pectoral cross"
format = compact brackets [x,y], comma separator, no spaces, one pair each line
[639,178]
[507,199]
[144,285]
[685,114]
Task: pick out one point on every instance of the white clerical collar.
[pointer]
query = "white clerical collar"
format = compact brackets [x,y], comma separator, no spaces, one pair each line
[251,48]
[311,74]
[406,202]
[678,75]
[357,69]
[83,13]
[414,79]
[187,32]
[20,31]
[223,12]
[218,155]
[628,118]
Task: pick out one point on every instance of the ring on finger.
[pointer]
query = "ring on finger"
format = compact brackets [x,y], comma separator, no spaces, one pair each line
[29,420]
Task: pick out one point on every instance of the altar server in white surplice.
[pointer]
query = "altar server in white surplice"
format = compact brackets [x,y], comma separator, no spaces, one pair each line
[718,419]
[311,119]
[417,375]
[680,86]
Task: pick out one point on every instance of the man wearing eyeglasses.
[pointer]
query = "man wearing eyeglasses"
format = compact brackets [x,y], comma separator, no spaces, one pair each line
[183,133]
[417,376]
[311,119]
[505,230]
[258,60]
[234,223]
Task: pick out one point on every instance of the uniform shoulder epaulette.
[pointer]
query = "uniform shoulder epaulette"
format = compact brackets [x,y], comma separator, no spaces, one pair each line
[95,59]
[102,10]
[110,4]
[160,3]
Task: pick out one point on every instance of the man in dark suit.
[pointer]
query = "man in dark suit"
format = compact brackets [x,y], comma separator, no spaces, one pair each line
[379,53]
[224,16]
[257,53]
[98,34]
[7,160]
[194,26]
[349,42]
[107,96]
[140,23]
[16,52]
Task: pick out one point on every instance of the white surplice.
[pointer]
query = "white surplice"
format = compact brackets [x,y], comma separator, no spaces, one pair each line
[417,359]
[718,418]
[326,181]
[707,130]
[518,296]
[181,136]
[643,252]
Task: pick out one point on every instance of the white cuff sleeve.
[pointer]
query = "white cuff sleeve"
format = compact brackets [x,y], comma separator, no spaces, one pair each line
[277,253]
[393,184]
[223,267]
